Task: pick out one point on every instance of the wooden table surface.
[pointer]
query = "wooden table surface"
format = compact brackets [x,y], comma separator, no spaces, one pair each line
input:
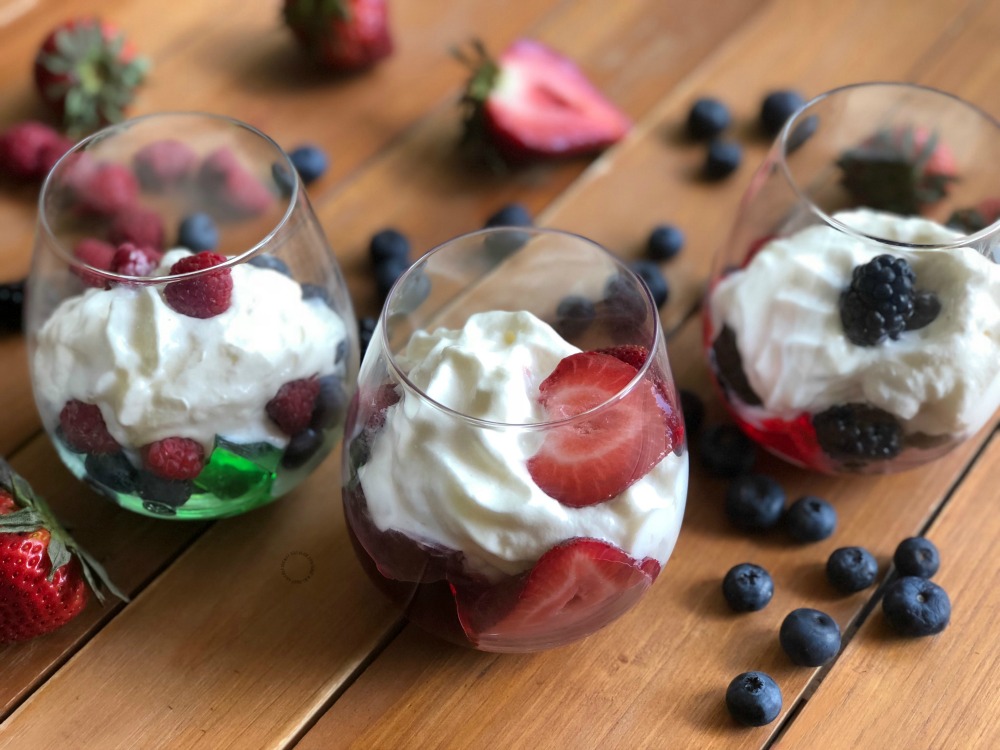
[263,632]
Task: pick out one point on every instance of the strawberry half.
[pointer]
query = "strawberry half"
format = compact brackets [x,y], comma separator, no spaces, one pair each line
[44,575]
[575,588]
[595,458]
[341,34]
[88,73]
[533,103]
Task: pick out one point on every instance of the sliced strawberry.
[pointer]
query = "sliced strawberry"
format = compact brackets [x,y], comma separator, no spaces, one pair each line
[533,103]
[595,458]
[632,354]
[575,588]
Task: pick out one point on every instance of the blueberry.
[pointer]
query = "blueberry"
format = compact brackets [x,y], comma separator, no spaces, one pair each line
[12,306]
[505,242]
[271,263]
[810,519]
[315,291]
[851,569]
[915,606]
[112,470]
[664,242]
[283,178]
[386,274]
[623,300]
[198,232]
[389,245]
[776,108]
[754,699]
[573,315]
[754,502]
[747,587]
[510,215]
[331,402]
[802,132]
[301,448]
[366,329]
[653,278]
[163,492]
[917,556]
[722,159]
[726,452]
[412,292]
[693,409]
[310,162]
[810,638]
[707,118]
[341,352]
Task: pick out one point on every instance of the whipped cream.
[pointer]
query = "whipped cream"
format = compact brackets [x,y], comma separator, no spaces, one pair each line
[437,478]
[155,373]
[784,309]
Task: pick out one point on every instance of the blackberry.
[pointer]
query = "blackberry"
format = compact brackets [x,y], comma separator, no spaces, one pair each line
[12,306]
[858,432]
[729,367]
[707,118]
[917,556]
[879,302]
[754,699]
[747,587]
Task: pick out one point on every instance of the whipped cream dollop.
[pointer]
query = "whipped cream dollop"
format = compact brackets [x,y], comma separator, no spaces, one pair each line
[438,478]
[784,309]
[156,373]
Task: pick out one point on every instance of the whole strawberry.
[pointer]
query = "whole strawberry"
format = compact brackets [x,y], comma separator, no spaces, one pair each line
[44,575]
[88,73]
[341,34]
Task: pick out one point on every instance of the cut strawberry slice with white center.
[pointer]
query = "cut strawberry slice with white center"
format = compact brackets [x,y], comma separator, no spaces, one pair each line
[599,455]
[574,589]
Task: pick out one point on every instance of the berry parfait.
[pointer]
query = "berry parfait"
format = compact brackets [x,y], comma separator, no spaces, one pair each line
[852,322]
[515,469]
[192,344]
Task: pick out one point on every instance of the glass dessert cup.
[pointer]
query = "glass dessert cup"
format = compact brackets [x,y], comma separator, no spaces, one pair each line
[851,321]
[515,469]
[186,383]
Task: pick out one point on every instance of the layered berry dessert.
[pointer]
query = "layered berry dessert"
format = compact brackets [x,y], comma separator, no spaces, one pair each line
[839,352]
[510,491]
[198,397]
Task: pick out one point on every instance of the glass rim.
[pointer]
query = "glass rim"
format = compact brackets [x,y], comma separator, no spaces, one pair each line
[416,267]
[66,254]
[786,134]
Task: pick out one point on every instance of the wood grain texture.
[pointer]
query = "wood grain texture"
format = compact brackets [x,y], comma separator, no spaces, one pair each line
[895,692]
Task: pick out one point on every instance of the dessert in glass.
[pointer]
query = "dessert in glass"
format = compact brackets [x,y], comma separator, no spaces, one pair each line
[852,321]
[515,469]
[192,344]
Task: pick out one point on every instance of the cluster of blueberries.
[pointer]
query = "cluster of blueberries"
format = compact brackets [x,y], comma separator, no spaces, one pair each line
[912,604]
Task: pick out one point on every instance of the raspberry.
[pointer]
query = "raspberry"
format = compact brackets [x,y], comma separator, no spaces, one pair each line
[231,187]
[729,367]
[84,430]
[174,458]
[858,431]
[107,190]
[140,226]
[292,406]
[163,164]
[879,302]
[26,149]
[203,296]
[96,254]
[130,260]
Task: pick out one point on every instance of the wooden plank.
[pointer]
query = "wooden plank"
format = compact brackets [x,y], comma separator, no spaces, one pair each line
[895,692]
[658,676]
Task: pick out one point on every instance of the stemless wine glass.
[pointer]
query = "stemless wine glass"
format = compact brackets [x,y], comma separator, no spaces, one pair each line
[852,320]
[515,469]
[192,344]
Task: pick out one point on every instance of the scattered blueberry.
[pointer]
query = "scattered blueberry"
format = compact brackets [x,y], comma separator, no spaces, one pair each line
[810,519]
[776,108]
[747,587]
[386,274]
[693,409]
[510,215]
[301,448]
[754,502]
[915,606]
[725,451]
[505,241]
[282,178]
[851,569]
[12,306]
[271,263]
[310,162]
[810,638]
[665,242]
[389,245]
[754,699]
[412,292]
[331,403]
[707,118]
[198,232]
[573,315]
[802,132]
[722,159]
[112,470]
[623,300]
[654,280]
[366,329]
[917,556]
